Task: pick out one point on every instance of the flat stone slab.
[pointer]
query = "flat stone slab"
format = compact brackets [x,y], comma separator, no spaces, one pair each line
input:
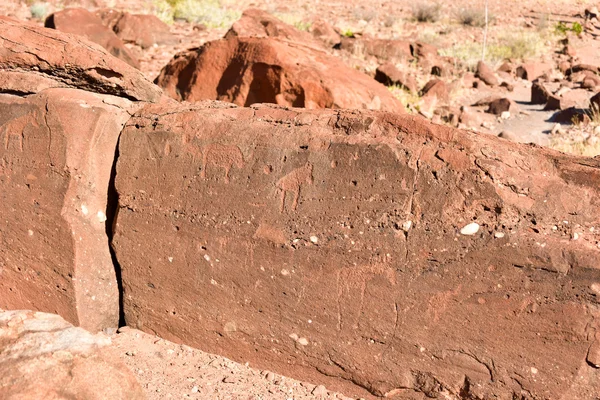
[56,155]
[375,253]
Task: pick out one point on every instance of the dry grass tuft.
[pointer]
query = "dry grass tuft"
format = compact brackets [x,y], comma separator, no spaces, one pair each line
[427,12]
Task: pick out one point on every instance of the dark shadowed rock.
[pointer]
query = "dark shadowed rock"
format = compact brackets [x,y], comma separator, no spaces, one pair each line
[81,22]
[44,357]
[499,106]
[33,59]
[578,98]
[532,70]
[144,30]
[539,93]
[362,250]
[245,71]
[390,75]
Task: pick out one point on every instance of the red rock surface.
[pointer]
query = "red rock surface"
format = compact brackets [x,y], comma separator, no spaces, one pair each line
[56,154]
[33,59]
[362,250]
[245,71]
[44,357]
[144,30]
[80,21]
[261,24]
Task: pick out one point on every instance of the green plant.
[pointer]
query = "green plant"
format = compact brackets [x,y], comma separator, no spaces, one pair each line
[562,28]
[38,10]
[211,13]
[427,12]
[348,33]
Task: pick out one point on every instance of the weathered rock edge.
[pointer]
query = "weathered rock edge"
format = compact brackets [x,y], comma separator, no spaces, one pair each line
[376,249]
[44,357]
[53,59]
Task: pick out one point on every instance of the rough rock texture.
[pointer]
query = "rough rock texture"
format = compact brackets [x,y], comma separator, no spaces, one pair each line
[485,73]
[532,70]
[144,30]
[539,93]
[80,21]
[44,357]
[363,250]
[325,32]
[245,71]
[56,155]
[33,59]
[261,24]
[384,49]
[389,75]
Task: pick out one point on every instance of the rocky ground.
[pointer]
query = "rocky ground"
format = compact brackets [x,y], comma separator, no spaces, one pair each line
[545,33]
[170,371]
[549,36]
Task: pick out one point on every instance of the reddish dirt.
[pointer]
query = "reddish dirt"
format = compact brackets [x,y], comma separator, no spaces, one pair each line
[168,370]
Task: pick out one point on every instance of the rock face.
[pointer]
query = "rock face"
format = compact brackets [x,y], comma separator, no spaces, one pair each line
[33,59]
[56,155]
[44,357]
[80,21]
[340,246]
[260,24]
[144,30]
[245,71]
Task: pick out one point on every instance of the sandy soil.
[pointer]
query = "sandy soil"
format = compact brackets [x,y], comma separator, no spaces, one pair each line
[170,371]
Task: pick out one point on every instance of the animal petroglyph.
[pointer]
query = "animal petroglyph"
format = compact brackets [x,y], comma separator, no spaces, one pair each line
[293,181]
[224,156]
[14,130]
[354,280]
[4,170]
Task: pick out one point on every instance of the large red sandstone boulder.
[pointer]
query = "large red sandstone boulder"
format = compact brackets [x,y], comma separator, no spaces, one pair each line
[144,30]
[44,357]
[57,149]
[33,59]
[56,155]
[367,251]
[245,71]
[261,24]
[80,21]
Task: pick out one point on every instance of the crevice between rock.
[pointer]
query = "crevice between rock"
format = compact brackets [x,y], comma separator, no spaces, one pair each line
[112,210]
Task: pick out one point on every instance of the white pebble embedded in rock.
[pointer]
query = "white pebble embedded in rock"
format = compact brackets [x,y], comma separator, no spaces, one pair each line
[319,390]
[470,229]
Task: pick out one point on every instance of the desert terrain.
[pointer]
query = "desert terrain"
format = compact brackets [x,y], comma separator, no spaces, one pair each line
[389,199]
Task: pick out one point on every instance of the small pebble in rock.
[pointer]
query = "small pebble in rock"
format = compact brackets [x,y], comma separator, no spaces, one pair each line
[314,239]
[499,235]
[195,389]
[406,226]
[470,229]
[319,390]
[270,376]
[303,341]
